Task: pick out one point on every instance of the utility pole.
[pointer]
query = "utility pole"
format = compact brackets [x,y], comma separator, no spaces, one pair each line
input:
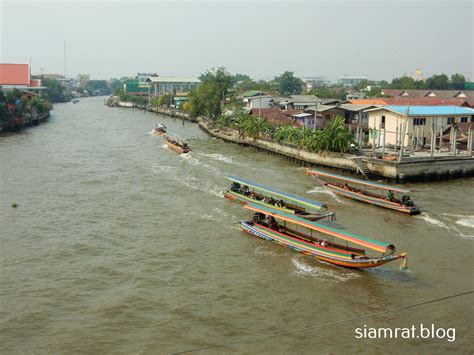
[260,104]
[315,115]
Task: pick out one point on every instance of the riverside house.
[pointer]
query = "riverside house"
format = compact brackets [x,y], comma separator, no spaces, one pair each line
[414,126]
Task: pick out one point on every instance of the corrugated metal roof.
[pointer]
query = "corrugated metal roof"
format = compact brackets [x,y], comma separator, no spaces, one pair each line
[355,108]
[429,110]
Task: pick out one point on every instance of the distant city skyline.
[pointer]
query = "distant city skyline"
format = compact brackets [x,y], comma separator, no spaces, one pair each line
[379,40]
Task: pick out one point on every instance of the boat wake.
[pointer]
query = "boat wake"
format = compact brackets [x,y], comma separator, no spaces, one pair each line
[322,190]
[466,221]
[463,220]
[194,184]
[191,159]
[304,269]
[219,157]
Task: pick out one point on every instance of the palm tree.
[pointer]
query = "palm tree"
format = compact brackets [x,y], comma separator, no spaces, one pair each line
[336,138]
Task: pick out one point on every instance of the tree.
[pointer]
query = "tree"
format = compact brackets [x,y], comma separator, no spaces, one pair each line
[56,91]
[438,82]
[403,83]
[220,78]
[457,81]
[115,84]
[98,87]
[288,84]
[237,78]
[336,138]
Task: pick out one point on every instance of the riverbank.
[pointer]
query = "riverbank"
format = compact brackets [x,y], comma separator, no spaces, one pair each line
[19,123]
[410,169]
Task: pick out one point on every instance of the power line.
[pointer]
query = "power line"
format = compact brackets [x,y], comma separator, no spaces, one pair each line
[325,324]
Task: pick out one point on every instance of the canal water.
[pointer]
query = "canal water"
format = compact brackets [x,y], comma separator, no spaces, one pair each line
[120,245]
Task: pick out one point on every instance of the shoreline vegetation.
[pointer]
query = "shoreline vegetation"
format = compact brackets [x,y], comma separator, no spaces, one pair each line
[218,106]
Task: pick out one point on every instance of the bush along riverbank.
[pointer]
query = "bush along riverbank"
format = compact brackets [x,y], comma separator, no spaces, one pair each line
[19,109]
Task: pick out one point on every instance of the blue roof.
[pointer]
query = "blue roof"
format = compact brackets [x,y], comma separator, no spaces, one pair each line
[430,110]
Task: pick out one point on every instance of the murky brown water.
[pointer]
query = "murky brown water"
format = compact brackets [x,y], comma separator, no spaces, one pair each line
[120,245]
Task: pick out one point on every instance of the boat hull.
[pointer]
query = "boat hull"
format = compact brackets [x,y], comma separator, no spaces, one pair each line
[231,195]
[327,254]
[411,210]
[177,149]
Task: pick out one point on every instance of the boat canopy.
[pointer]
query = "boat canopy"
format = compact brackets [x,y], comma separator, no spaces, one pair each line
[303,201]
[350,237]
[357,181]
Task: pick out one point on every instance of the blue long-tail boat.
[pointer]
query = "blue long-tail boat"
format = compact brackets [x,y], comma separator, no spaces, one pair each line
[342,188]
[249,192]
[320,241]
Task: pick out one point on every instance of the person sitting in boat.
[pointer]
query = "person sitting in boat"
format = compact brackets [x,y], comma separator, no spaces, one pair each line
[280,203]
[390,195]
[406,201]
[271,201]
[347,187]
[324,243]
[272,223]
[235,187]
[245,190]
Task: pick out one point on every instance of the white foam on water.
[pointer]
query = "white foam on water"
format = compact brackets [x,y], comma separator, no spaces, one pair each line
[322,190]
[433,220]
[307,270]
[208,217]
[219,157]
[463,220]
[467,222]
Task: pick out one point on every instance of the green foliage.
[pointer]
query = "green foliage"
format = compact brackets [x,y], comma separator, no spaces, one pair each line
[288,84]
[56,91]
[329,93]
[336,138]
[208,99]
[255,127]
[236,78]
[98,87]
[458,81]
[438,82]
[115,84]
[40,104]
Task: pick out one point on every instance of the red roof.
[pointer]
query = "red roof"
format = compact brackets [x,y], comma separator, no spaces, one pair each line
[14,74]
[276,116]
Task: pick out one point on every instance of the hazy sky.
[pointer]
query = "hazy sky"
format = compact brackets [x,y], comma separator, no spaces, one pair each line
[379,39]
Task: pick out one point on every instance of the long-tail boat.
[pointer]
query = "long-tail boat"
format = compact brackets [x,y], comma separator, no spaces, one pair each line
[247,192]
[177,145]
[317,240]
[160,129]
[341,187]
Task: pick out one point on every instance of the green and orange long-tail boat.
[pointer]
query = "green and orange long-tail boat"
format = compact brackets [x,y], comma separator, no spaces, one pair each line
[318,240]
[361,193]
[246,191]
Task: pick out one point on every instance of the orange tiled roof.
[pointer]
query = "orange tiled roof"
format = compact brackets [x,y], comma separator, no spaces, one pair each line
[14,74]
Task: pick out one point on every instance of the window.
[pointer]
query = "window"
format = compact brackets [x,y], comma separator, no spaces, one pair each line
[383,119]
[419,121]
[472,118]
[463,119]
[450,120]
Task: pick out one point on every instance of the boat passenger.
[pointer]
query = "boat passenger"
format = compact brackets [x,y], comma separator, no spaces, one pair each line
[245,190]
[324,243]
[272,223]
[390,195]
[280,203]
